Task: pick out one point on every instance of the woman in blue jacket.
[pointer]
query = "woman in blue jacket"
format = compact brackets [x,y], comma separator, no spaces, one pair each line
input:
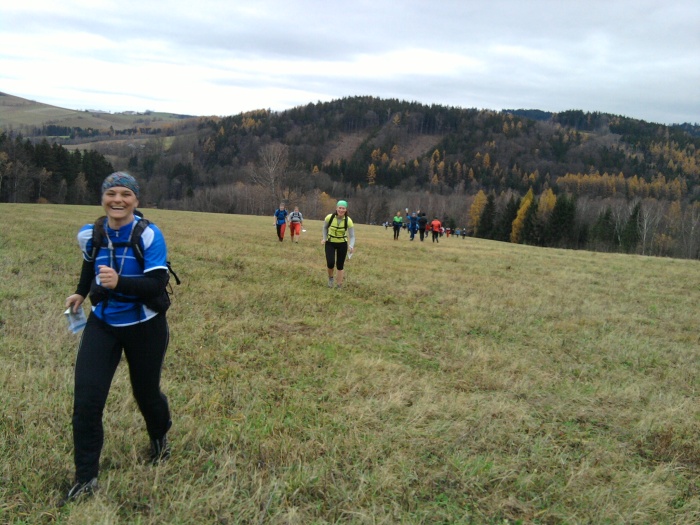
[128,316]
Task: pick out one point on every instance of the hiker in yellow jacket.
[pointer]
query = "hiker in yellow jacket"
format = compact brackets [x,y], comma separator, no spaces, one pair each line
[339,240]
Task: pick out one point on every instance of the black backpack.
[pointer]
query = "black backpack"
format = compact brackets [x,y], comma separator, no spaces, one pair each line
[98,293]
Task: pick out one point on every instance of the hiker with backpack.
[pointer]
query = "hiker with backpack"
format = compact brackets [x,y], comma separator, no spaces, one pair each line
[413,224]
[281,221]
[125,273]
[422,225]
[296,220]
[338,240]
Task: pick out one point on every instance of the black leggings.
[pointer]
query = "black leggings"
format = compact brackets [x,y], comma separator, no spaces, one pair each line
[342,251]
[397,230]
[280,230]
[100,351]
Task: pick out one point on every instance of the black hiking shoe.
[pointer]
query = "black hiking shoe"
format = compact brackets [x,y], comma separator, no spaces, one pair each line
[81,489]
[160,450]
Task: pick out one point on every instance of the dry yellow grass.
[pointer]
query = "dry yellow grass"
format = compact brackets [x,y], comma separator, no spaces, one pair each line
[462,382]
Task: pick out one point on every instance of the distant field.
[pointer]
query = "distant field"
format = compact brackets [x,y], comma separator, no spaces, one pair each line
[468,381]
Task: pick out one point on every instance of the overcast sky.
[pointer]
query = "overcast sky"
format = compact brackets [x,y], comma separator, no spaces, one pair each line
[638,58]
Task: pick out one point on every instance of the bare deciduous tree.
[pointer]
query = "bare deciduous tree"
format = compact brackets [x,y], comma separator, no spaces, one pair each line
[649,217]
[270,171]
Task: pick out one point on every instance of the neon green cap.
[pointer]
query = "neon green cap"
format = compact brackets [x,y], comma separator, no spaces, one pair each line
[344,204]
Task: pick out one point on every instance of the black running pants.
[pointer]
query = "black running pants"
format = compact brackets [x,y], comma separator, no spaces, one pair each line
[336,248]
[144,346]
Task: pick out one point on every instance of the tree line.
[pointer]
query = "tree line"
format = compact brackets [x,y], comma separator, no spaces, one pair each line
[572,179]
[49,172]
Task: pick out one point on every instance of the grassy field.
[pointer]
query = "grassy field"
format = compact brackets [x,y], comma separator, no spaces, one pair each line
[462,382]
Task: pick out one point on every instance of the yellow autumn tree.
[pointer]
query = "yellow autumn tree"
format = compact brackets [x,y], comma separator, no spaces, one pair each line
[371,175]
[441,169]
[475,211]
[519,221]
[327,202]
[546,204]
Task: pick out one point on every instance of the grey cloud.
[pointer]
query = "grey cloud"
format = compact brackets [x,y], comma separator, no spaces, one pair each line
[640,58]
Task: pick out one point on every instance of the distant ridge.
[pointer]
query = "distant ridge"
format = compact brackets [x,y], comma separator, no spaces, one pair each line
[19,113]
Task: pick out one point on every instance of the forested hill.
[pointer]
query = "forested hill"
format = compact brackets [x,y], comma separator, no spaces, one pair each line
[391,143]
[475,168]
[368,141]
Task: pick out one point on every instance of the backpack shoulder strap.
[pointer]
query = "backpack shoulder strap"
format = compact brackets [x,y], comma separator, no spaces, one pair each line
[136,243]
[98,233]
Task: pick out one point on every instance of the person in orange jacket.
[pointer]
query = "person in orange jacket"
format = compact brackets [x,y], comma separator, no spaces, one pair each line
[435,226]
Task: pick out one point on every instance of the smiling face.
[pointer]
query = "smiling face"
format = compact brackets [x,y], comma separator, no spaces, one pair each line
[119,204]
[340,210]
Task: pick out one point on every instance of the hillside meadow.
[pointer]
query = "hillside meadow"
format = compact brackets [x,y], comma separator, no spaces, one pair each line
[17,113]
[468,381]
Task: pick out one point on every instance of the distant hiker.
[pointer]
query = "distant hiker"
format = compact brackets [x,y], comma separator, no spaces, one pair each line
[397,223]
[413,224]
[281,221]
[422,225]
[296,219]
[436,228]
[339,239]
[125,282]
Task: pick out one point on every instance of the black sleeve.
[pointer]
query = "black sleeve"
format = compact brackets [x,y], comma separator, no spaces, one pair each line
[87,274]
[151,285]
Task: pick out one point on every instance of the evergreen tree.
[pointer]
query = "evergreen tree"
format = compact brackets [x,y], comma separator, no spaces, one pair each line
[560,229]
[630,233]
[603,231]
[532,226]
[487,219]
[504,226]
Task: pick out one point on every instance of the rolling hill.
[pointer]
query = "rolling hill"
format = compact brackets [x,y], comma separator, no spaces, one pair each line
[21,114]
